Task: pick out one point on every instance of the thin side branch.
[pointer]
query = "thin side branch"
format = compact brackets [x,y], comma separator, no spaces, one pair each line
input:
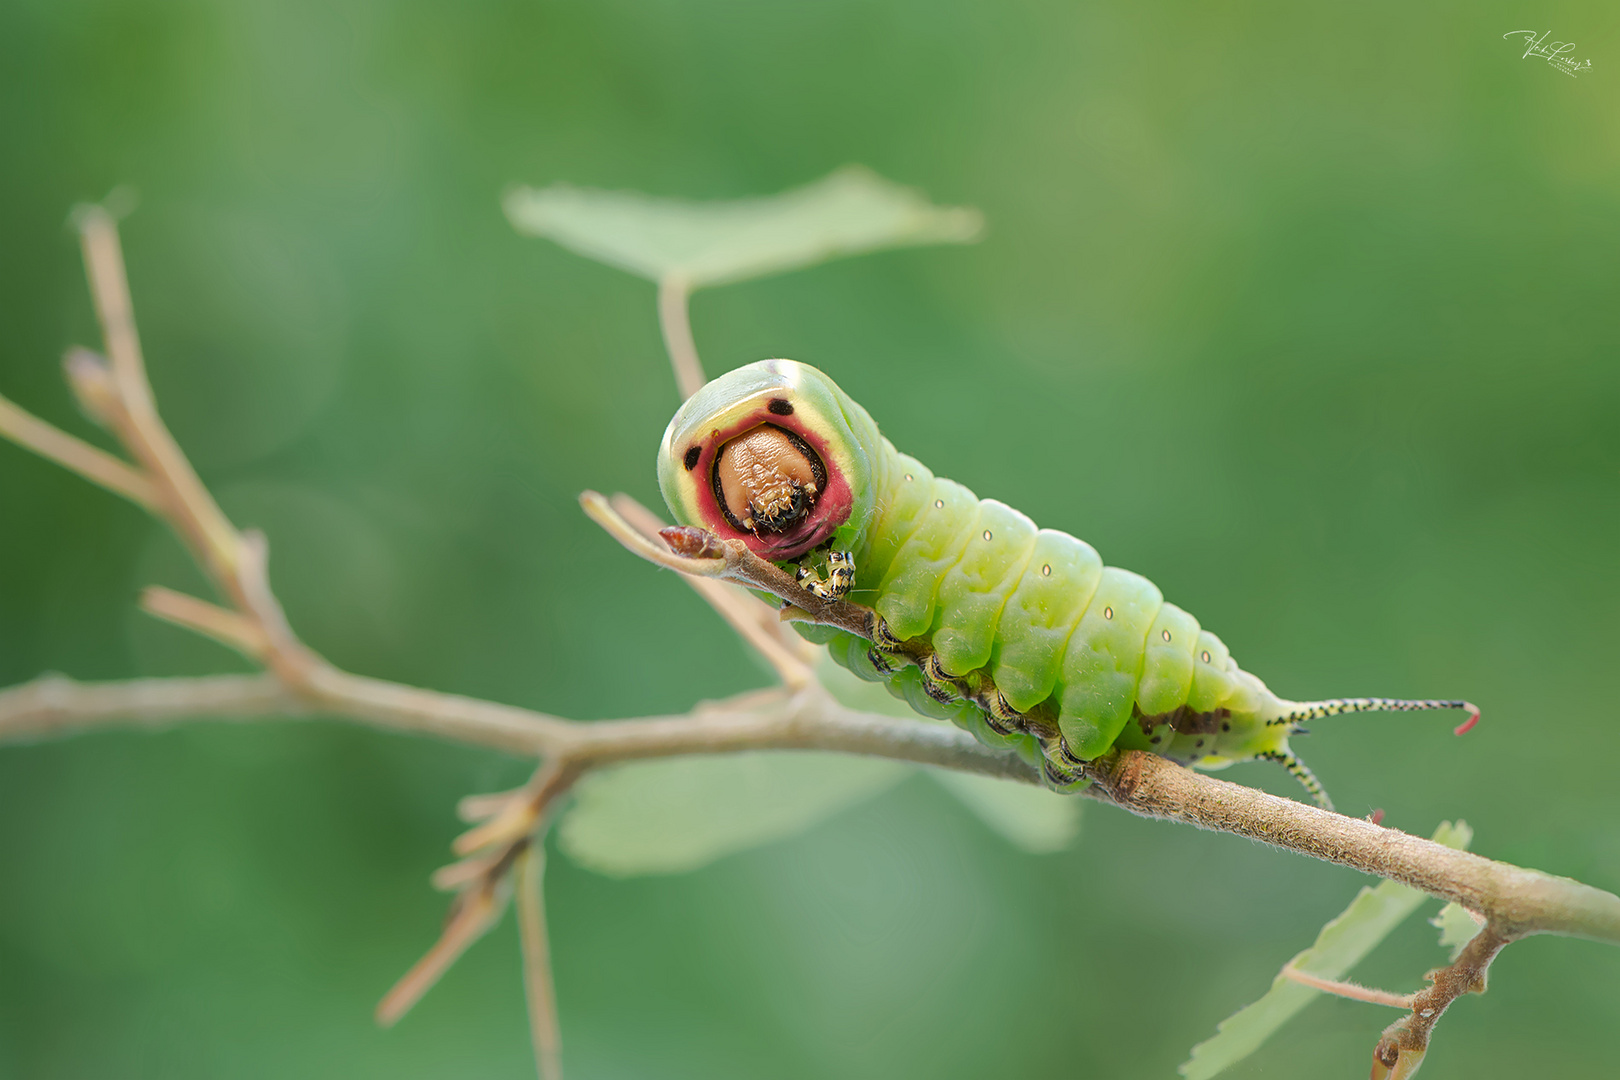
[93,463]
[540,990]
[471,915]
[1400,1051]
[187,505]
[505,847]
[237,631]
[53,706]
[700,553]
[754,621]
[1346,989]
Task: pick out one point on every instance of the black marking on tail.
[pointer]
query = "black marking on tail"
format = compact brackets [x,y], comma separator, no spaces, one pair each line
[1311,710]
[1301,772]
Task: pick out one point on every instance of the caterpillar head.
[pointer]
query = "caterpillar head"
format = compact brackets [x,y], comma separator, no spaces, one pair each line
[773,454]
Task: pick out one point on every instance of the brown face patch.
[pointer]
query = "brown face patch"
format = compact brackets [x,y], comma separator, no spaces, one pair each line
[767,479]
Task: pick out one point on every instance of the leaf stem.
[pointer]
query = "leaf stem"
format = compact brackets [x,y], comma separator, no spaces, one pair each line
[674,319]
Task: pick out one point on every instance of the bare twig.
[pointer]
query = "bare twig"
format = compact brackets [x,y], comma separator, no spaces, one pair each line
[429,712]
[754,620]
[56,707]
[90,462]
[1400,1051]
[475,808]
[483,879]
[522,814]
[53,706]
[600,510]
[109,288]
[186,503]
[238,631]
[674,319]
[539,989]
[472,913]
[701,554]
[1346,989]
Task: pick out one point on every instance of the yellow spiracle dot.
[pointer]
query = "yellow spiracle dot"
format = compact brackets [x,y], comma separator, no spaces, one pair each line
[939,504]
[908,476]
[987,534]
[1166,635]
[1046,570]
[1108,613]
[1204,656]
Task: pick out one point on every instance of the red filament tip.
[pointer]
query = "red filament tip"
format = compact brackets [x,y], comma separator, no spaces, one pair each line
[1467,725]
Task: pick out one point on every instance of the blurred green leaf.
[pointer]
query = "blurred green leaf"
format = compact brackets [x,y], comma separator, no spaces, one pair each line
[1037,820]
[673,815]
[850,211]
[1370,918]
[1457,928]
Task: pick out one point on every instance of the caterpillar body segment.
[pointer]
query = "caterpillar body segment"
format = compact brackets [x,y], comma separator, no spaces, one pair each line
[1018,634]
[975,589]
[1058,583]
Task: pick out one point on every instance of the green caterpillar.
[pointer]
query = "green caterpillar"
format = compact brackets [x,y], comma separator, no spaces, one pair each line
[1019,634]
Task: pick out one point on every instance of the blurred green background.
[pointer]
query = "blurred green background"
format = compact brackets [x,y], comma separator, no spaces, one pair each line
[1307,312]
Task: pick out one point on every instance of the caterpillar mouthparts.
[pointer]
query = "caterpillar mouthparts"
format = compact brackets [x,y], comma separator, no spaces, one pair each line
[766,479]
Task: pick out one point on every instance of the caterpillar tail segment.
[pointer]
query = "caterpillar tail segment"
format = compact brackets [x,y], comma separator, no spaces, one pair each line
[1301,711]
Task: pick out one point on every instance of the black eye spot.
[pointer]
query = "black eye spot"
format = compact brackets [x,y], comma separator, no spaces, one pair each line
[692,454]
[781,406]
